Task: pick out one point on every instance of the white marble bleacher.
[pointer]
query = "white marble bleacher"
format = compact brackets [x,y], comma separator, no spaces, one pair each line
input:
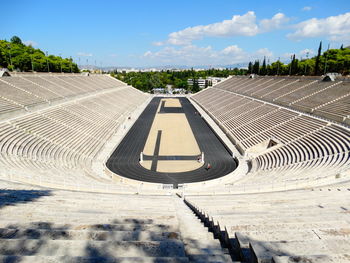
[282,95]
[7,105]
[46,225]
[304,93]
[338,110]
[279,90]
[332,92]
[56,91]
[301,223]
[32,88]
[18,95]
[73,86]
[273,85]
[49,225]
[306,146]
[57,145]
[25,91]
[326,147]
[322,98]
[337,106]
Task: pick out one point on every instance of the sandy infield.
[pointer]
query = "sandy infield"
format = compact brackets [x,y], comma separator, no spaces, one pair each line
[176,139]
[175,103]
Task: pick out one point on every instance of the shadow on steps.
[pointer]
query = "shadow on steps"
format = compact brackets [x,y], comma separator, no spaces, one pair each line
[13,197]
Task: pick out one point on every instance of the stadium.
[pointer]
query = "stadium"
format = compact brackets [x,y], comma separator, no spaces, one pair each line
[293,150]
[254,168]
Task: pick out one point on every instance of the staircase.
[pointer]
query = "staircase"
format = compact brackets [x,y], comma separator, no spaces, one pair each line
[122,242]
[200,244]
[42,225]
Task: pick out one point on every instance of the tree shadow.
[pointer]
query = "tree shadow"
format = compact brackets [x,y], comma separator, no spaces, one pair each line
[122,240]
[13,197]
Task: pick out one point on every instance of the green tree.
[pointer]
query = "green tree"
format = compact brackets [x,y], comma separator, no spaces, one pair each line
[16,40]
[16,55]
[263,67]
[195,87]
[256,67]
[294,66]
[317,63]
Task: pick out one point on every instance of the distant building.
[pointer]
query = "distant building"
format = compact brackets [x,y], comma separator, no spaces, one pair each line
[169,89]
[179,91]
[158,91]
[214,80]
[4,72]
[203,83]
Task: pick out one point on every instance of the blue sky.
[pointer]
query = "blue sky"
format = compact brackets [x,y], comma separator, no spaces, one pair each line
[154,33]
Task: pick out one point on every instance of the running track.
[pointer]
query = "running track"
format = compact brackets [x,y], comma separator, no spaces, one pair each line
[125,159]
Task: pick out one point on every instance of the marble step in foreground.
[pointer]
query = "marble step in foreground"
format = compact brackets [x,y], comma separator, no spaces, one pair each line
[93,227]
[136,235]
[264,251]
[336,258]
[42,247]
[87,259]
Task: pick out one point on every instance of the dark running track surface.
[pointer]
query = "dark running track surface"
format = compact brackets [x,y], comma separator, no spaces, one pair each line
[125,159]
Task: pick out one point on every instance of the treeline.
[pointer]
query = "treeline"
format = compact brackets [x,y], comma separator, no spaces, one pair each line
[14,55]
[146,81]
[332,60]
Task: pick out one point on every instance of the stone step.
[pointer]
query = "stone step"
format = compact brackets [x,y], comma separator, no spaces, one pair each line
[286,226]
[194,247]
[83,218]
[87,259]
[83,198]
[263,215]
[341,258]
[103,205]
[264,251]
[210,258]
[96,213]
[278,219]
[199,244]
[137,235]
[94,206]
[146,219]
[94,227]
[294,235]
[19,247]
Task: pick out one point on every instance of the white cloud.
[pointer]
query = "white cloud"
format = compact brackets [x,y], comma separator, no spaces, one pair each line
[263,52]
[232,50]
[113,55]
[192,55]
[274,23]
[306,51]
[186,55]
[238,25]
[157,43]
[335,28]
[30,43]
[84,54]
[287,56]
[298,54]
[148,54]
[306,8]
